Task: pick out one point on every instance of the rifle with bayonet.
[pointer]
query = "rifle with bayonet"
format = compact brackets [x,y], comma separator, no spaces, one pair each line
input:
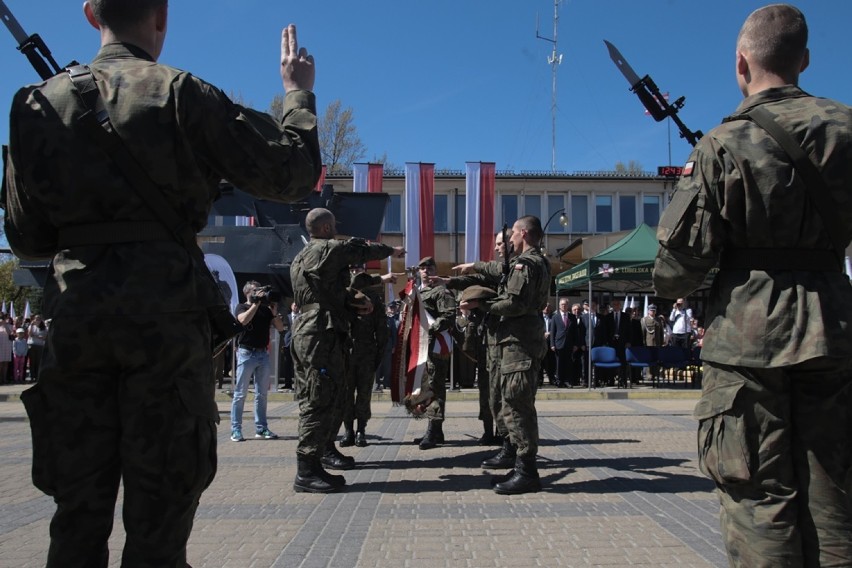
[651,97]
[31,45]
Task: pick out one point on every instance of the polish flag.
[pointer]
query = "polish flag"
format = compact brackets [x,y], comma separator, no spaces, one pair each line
[367,178]
[412,346]
[479,208]
[321,181]
[419,212]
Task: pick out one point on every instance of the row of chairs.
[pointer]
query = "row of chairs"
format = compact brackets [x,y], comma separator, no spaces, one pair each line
[663,363]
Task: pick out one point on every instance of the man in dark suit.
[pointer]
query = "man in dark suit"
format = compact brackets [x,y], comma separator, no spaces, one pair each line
[564,342]
[621,333]
[548,364]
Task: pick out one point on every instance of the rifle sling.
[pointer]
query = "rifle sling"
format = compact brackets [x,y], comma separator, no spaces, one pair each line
[814,182]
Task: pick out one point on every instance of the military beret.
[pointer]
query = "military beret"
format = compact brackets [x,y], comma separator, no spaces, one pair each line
[426,261]
[361,281]
[477,293]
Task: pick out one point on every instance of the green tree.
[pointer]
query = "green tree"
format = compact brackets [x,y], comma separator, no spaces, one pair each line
[339,142]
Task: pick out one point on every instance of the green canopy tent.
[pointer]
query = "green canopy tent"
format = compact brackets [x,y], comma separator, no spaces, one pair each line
[622,267]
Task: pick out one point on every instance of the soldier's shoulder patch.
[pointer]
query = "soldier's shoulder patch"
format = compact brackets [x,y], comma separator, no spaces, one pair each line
[519,266]
[687,169]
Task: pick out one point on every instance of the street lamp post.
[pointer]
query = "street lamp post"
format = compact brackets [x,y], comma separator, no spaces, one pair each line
[563,220]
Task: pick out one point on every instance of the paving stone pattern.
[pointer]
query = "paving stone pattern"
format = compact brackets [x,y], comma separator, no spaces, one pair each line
[621,488]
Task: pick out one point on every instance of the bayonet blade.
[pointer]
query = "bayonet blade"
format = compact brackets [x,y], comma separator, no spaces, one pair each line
[17,31]
[622,65]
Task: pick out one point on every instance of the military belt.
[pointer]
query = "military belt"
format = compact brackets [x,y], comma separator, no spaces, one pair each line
[112,232]
[807,260]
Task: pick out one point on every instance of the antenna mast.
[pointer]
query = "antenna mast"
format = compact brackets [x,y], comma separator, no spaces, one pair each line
[554,60]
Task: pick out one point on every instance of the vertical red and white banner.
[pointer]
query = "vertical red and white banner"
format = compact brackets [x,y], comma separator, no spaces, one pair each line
[367,178]
[321,180]
[419,212]
[479,211]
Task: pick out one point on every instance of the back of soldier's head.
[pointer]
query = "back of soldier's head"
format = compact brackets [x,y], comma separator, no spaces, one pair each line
[776,38]
[122,15]
[532,225]
[316,218]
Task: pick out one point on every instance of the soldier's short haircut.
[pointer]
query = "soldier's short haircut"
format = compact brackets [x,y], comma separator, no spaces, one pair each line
[532,225]
[316,218]
[120,15]
[776,37]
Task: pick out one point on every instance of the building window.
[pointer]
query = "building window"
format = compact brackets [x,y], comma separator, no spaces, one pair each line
[442,215]
[532,206]
[603,213]
[651,210]
[508,211]
[393,215]
[627,212]
[554,204]
[579,214]
[459,218]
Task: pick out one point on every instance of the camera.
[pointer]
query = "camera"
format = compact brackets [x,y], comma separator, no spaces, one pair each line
[264,295]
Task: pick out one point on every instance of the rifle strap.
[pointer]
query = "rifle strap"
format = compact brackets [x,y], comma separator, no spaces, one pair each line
[814,182]
[96,122]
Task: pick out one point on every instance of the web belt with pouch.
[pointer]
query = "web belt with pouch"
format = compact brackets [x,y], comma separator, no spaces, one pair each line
[813,260]
[168,226]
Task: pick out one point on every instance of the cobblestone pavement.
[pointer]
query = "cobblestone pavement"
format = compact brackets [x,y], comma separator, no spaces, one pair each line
[622,488]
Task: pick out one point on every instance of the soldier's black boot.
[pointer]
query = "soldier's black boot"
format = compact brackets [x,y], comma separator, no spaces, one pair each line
[524,478]
[504,459]
[308,478]
[348,438]
[434,435]
[333,459]
[360,436]
[488,438]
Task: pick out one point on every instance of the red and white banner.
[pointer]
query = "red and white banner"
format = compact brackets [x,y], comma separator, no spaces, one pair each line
[412,346]
[419,212]
[321,180]
[367,178]
[479,207]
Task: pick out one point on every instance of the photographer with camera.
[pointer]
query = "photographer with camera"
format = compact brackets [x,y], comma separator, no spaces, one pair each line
[256,315]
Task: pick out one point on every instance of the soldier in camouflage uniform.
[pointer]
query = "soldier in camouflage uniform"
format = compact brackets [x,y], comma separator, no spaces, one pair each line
[522,347]
[125,393]
[320,277]
[776,408]
[440,305]
[490,275]
[369,340]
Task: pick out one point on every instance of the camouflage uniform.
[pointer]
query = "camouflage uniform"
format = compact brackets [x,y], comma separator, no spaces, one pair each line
[369,341]
[440,304]
[320,276]
[124,391]
[490,275]
[776,409]
[522,346]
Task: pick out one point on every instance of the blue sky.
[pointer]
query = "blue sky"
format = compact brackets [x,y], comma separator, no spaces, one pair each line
[450,81]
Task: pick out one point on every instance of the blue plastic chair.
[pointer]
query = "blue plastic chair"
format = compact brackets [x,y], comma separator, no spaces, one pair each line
[640,357]
[672,357]
[604,358]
